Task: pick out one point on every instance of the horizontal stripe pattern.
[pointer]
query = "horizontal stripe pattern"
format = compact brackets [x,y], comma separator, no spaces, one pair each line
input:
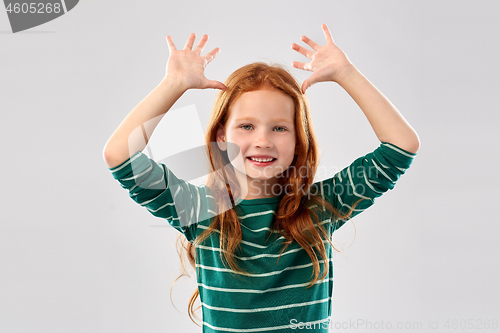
[272,295]
[259,291]
[273,308]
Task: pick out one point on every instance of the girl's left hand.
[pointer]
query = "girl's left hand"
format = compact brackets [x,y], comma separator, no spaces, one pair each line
[328,62]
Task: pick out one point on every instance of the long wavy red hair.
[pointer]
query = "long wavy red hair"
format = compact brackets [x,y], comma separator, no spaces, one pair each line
[293,217]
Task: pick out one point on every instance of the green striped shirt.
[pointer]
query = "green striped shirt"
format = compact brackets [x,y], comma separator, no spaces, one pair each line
[273,297]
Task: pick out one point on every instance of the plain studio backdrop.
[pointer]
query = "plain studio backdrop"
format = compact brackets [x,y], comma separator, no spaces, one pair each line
[78,255]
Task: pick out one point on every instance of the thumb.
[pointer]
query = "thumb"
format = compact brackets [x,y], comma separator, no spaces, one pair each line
[214,84]
[314,78]
[305,85]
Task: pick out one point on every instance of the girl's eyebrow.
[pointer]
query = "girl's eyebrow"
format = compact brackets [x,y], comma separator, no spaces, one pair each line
[274,120]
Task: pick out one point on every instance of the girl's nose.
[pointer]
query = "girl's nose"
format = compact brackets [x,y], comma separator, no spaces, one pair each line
[262,140]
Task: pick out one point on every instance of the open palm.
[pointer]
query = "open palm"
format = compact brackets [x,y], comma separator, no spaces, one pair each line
[187,67]
[327,63]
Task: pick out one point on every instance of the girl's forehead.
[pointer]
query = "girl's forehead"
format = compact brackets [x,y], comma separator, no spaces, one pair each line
[262,102]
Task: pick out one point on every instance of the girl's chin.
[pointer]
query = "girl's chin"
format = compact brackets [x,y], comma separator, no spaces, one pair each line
[262,178]
[260,174]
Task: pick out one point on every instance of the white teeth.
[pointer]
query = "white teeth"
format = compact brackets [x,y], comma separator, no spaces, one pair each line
[261,160]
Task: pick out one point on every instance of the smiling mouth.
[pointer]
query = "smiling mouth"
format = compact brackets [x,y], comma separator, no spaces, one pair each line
[262,161]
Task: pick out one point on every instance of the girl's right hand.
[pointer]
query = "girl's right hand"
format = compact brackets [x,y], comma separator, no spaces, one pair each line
[186,67]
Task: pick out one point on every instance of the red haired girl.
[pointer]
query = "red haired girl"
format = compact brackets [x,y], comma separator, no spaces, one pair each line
[259,231]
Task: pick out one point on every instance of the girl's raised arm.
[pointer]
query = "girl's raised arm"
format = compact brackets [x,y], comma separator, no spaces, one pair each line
[185,70]
[329,63]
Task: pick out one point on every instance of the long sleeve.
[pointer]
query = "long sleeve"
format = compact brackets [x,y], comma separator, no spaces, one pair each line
[153,186]
[367,178]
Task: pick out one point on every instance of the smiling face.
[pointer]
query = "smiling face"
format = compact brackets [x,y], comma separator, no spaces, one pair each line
[261,124]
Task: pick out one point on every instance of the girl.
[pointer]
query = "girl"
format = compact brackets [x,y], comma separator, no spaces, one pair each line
[258,232]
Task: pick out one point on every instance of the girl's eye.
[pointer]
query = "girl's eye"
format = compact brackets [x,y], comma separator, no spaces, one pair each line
[245,127]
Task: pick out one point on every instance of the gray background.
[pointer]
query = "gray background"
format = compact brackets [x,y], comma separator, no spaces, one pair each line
[78,255]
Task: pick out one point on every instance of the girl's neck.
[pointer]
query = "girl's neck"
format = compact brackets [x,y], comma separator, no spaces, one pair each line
[258,189]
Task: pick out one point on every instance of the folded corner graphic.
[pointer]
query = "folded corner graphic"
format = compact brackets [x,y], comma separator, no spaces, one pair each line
[26,15]
[188,165]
